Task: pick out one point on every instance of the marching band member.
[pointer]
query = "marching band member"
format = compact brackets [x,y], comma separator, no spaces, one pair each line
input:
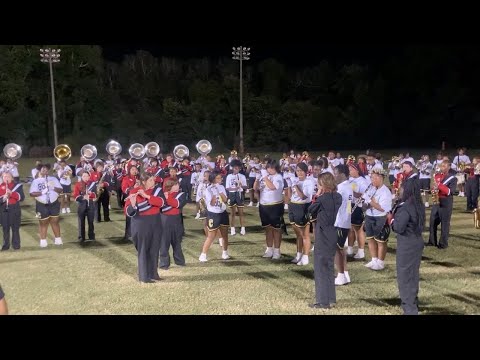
[236,185]
[64,174]
[129,182]
[392,171]
[343,222]
[119,174]
[406,174]
[217,219]
[325,209]
[172,224]
[172,174]
[472,185]
[340,159]
[11,195]
[270,184]
[102,179]
[186,176]
[85,194]
[12,168]
[379,204]
[425,175]
[362,165]
[373,164]
[332,161]
[168,162]
[195,180]
[461,158]
[407,158]
[360,185]
[36,169]
[407,222]
[445,183]
[437,162]
[233,156]
[300,192]
[46,189]
[155,170]
[253,169]
[201,199]
[143,206]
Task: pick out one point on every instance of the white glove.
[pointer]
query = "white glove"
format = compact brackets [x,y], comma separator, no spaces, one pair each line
[264,173]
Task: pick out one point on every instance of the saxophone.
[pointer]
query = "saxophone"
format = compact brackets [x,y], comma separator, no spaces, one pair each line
[434,191]
[100,190]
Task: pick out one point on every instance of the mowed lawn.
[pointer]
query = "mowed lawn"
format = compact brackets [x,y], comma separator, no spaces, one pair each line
[101,277]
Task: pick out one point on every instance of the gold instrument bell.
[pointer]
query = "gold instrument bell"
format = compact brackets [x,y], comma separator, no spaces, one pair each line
[12,151]
[62,152]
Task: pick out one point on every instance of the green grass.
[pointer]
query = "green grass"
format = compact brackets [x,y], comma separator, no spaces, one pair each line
[101,277]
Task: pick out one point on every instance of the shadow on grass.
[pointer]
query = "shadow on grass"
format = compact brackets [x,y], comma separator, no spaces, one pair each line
[384,302]
[438,310]
[463,299]
[6,261]
[445,264]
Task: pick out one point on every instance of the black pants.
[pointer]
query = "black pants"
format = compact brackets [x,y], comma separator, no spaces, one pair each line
[323,265]
[11,219]
[120,198]
[146,238]
[391,179]
[409,257]
[103,201]
[440,214]
[186,187]
[471,189]
[88,211]
[425,184]
[128,226]
[172,233]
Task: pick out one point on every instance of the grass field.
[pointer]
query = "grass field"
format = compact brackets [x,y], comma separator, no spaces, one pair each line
[101,277]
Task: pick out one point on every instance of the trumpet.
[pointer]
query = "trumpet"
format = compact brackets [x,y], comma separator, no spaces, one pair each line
[396,162]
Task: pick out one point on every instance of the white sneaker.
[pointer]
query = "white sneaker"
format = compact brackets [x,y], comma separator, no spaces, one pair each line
[268,253]
[370,264]
[313,248]
[109,207]
[203,257]
[350,251]
[427,204]
[247,191]
[64,211]
[303,261]
[277,255]
[220,242]
[285,207]
[58,241]
[297,258]
[250,203]
[43,243]
[360,254]
[225,255]
[242,230]
[232,231]
[198,216]
[379,265]
[340,280]
[68,210]
[258,204]
[347,277]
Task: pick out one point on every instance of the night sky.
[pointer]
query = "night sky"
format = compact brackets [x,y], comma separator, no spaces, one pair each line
[291,54]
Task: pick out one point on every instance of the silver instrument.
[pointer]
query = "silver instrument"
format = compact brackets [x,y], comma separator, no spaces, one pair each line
[204,147]
[12,151]
[137,151]
[180,151]
[152,149]
[113,148]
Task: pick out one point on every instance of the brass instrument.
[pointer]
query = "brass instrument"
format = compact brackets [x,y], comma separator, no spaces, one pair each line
[180,151]
[350,159]
[89,152]
[204,147]
[246,159]
[62,152]
[137,151]
[12,151]
[152,149]
[100,190]
[434,192]
[233,153]
[396,162]
[476,218]
[114,148]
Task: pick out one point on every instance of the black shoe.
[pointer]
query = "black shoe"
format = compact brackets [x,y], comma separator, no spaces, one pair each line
[108,220]
[164,267]
[319,306]
[5,248]
[180,264]
[156,278]
[92,238]
[81,239]
[430,244]
[442,247]
[148,281]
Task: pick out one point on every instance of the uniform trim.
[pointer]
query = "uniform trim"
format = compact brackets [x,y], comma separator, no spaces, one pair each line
[275,203]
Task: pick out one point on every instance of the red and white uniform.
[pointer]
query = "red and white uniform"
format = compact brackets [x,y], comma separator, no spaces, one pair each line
[144,206]
[14,196]
[80,188]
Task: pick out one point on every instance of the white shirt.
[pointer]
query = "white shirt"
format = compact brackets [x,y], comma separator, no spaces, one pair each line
[392,169]
[200,192]
[12,169]
[344,215]
[253,166]
[462,158]
[427,167]
[46,186]
[233,180]
[359,184]
[383,197]
[408,159]
[328,170]
[307,187]
[341,161]
[376,165]
[270,197]
[334,163]
[214,191]
[34,172]
[195,177]
[64,181]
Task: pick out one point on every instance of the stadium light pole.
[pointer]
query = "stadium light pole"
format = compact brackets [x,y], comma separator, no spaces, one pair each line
[241,54]
[51,56]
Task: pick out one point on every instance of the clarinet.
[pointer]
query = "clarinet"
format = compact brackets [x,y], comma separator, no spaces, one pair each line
[360,200]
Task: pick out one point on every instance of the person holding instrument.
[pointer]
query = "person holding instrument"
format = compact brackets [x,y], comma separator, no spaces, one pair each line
[11,195]
[46,189]
[84,194]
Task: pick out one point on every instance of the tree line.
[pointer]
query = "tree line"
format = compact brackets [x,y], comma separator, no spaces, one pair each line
[417,98]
